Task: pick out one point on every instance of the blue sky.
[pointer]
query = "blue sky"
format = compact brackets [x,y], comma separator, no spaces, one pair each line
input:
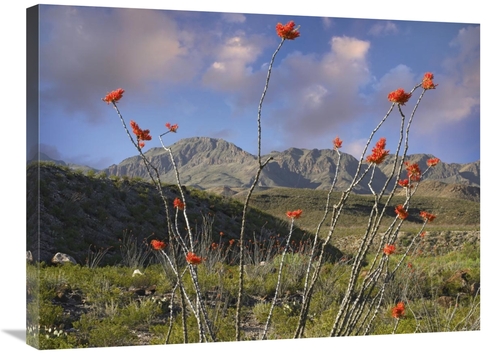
[206,71]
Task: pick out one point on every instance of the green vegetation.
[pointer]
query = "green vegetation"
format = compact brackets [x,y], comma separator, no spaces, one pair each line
[454,214]
[82,211]
[81,307]
[108,223]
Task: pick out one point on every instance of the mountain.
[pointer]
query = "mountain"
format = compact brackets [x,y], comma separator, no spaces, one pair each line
[201,162]
[208,163]
[47,158]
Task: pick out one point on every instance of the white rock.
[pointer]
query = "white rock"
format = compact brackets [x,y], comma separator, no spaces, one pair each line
[61,258]
[137,272]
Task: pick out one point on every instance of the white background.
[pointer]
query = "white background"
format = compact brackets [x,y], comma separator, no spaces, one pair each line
[13,180]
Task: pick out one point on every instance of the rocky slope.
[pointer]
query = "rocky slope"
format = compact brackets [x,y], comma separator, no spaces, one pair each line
[207,163]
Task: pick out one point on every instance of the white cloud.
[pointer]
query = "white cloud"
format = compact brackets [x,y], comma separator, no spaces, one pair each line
[315,94]
[457,96]
[399,77]
[383,29]
[327,22]
[349,48]
[355,148]
[231,69]
[322,95]
[233,18]
[86,49]
[467,60]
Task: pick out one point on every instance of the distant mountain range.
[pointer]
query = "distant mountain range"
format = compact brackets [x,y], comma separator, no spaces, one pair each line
[84,168]
[208,163]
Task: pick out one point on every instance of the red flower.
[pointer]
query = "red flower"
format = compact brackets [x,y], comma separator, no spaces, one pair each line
[287,31]
[294,214]
[114,96]
[398,310]
[422,234]
[141,135]
[404,183]
[427,216]
[378,152]
[158,245]
[433,162]
[427,83]
[337,143]
[178,204]
[172,128]
[414,173]
[428,76]
[231,241]
[401,212]
[192,258]
[389,249]
[399,96]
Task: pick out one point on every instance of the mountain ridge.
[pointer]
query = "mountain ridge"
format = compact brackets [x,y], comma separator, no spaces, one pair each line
[208,163]
[211,163]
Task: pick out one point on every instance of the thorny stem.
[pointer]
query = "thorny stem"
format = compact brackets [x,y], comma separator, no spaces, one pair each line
[149,167]
[395,326]
[369,281]
[367,239]
[278,283]
[261,102]
[176,171]
[247,200]
[242,233]
[192,269]
[157,182]
[307,295]
[174,266]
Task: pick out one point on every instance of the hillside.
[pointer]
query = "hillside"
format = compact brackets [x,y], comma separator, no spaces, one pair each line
[84,212]
[80,213]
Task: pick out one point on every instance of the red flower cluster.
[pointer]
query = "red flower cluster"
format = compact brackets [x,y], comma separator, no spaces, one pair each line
[294,214]
[414,173]
[433,162]
[398,310]
[158,245]
[337,143]
[404,183]
[427,83]
[427,216]
[399,96]
[378,152]
[192,258]
[172,128]
[287,31]
[389,249]
[142,135]
[114,96]
[401,212]
[178,204]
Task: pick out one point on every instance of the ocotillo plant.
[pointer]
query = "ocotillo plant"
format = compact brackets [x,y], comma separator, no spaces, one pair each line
[363,298]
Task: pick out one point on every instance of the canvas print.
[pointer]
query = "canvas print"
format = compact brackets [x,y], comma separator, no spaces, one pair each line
[198,177]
